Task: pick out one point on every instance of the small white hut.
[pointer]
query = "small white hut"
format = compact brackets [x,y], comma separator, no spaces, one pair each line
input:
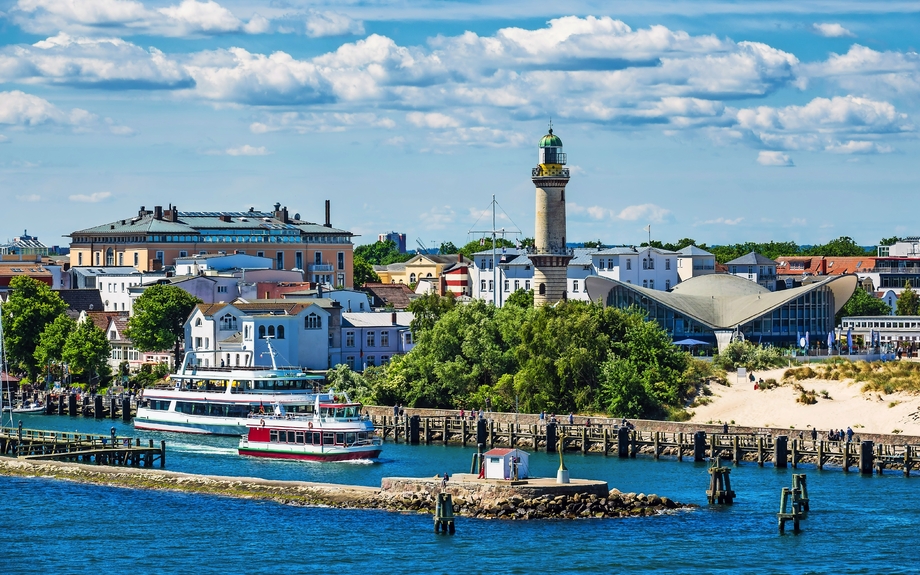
[504,462]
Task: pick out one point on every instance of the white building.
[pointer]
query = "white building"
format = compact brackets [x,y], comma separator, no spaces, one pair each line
[755,267]
[693,261]
[114,284]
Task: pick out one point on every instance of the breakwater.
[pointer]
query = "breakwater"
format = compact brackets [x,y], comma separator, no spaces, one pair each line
[537,499]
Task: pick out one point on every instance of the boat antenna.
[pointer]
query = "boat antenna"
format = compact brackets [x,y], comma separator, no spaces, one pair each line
[271,350]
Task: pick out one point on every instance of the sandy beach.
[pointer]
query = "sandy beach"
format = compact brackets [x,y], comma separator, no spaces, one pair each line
[872,412]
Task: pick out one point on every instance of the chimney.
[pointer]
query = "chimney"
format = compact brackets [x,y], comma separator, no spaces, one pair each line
[319,290]
[158,212]
[824,266]
[175,214]
[328,224]
[141,212]
[459,258]
[393,318]
[277,210]
[284,215]
[225,218]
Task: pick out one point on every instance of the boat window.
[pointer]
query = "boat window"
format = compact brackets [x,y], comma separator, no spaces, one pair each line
[300,437]
[327,438]
[350,438]
[237,410]
[362,435]
[217,410]
[339,438]
[199,409]
[282,436]
[273,435]
[317,439]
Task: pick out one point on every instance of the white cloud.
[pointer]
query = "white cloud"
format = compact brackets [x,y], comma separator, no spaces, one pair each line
[645,212]
[869,71]
[128,17]
[859,147]
[91,198]
[29,198]
[247,150]
[724,221]
[311,122]
[437,218]
[832,30]
[434,120]
[767,158]
[3,139]
[21,109]
[321,24]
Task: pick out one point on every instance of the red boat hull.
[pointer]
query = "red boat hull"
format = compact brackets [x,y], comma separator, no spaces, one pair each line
[369,453]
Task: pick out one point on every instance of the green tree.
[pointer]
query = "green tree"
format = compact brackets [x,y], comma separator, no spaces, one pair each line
[908,301]
[87,350]
[862,303]
[381,253]
[159,319]
[50,349]
[447,248]
[844,246]
[427,310]
[889,241]
[31,306]
[483,245]
[364,272]
[594,244]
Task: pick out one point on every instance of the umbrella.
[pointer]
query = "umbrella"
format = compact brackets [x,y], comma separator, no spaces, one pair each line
[830,340]
[690,342]
[806,339]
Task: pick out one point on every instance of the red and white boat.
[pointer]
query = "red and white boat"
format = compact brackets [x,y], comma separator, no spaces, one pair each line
[333,432]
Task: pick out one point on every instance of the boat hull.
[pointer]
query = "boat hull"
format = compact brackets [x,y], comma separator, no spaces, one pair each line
[368,452]
[237,427]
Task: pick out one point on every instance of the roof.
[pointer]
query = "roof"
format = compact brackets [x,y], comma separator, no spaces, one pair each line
[82,299]
[723,301]
[550,139]
[751,259]
[377,319]
[189,223]
[101,319]
[830,265]
[105,270]
[693,251]
[395,295]
[502,451]
[582,257]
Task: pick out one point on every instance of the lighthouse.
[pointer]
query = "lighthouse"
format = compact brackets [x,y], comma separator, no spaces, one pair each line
[550,255]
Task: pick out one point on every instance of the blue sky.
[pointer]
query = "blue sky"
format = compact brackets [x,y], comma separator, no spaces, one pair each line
[721,121]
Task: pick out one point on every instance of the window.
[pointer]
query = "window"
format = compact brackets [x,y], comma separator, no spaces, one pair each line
[651,284]
[645,263]
[279,260]
[271,331]
[317,258]
[667,263]
[667,284]
[371,339]
[407,338]
[280,332]
[121,258]
[491,285]
[340,261]
[313,321]
[600,264]
[261,332]
[412,278]
[507,285]
[527,285]
[198,322]
[628,263]
[112,335]
[517,285]
[574,286]
[542,289]
[483,286]
[645,283]
[197,343]
[298,260]
[384,339]
[97,258]
[260,254]
[183,253]
[160,257]
[80,259]
[228,322]
[349,339]
[371,361]
[221,289]
[651,264]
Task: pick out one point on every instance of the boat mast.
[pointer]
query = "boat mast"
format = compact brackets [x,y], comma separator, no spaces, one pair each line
[4,370]
[271,350]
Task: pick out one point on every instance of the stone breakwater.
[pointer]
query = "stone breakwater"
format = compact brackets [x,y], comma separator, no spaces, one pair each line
[533,499]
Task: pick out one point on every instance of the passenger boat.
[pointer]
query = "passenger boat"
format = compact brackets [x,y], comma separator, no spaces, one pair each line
[220,400]
[336,431]
[26,407]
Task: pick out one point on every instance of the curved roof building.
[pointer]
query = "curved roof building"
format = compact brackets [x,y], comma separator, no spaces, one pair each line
[714,307]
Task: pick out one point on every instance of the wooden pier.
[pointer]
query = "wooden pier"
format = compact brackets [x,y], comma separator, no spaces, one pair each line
[121,406]
[610,439]
[33,444]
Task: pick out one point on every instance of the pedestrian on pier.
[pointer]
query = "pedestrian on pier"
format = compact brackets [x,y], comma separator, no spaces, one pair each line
[814,434]
[724,428]
[542,416]
[396,410]
[849,435]
[462,413]
[571,418]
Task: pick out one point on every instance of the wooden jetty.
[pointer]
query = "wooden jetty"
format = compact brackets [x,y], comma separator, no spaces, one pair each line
[121,406]
[611,439]
[33,444]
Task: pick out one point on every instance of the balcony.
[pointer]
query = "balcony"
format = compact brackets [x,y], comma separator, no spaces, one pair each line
[540,172]
[322,268]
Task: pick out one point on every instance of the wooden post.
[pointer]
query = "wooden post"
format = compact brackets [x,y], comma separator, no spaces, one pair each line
[162,454]
[584,440]
[534,429]
[680,446]
[446,430]
[795,447]
[606,441]
[510,434]
[736,450]
[699,446]
[780,454]
[760,450]
[463,432]
[866,449]
[846,457]
[907,461]
[623,442]
[657,442]
[821,454]
[551,438]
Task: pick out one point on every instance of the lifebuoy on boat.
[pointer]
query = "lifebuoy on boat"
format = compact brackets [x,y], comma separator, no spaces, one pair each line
[310,425]
[262,422]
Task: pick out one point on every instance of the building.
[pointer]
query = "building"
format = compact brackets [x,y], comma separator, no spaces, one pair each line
[718,308]
[890,331]
[200,264]
[792,270]
[33,269]
[424,266]
[26,245]
[116,285]
[370,339]
[156,238]
[755,267]
[395,237]
[550,254]
[694,262]
[388,296]
[506,463]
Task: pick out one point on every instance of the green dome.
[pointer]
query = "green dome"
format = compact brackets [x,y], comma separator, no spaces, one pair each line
[551,140]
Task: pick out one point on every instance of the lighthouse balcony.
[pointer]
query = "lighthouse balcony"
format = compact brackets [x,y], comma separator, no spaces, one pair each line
[550,170]
[533,251]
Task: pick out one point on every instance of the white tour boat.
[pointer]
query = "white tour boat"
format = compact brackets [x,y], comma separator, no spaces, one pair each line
[335,431]
[220,400]
[26,407]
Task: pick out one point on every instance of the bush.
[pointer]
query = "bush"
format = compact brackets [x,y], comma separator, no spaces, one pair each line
[748,355]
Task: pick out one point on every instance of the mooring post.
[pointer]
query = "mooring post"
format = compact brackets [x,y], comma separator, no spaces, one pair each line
[491,433]
[606,441]
[98,411]
[907,461]
[780,454]
[795,448]
[846,457]
[736,450]
[623,442]
[584,440]
[72,404]
[699,446]
[126,409]
[680,446]
[463,432]
[162,454]
[866,449]
[821,454]
[414,425]
[551,438]
[657,442]
[481,431]
[60,404]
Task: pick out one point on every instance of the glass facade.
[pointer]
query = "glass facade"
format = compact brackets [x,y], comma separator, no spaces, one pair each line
[810,312]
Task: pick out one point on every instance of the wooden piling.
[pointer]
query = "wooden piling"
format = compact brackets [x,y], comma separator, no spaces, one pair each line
[780,454]
[866,449]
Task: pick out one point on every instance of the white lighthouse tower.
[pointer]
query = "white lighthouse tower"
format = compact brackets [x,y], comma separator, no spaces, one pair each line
[550,256]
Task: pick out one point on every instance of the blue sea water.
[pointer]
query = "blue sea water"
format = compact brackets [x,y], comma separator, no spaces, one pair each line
[857,524]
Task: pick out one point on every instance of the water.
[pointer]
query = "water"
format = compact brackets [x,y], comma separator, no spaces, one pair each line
[857,524]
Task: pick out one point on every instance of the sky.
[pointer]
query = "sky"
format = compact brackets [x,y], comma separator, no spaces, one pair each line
[719,121]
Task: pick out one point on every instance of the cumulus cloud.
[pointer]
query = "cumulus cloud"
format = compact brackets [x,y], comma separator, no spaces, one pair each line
[776,159]
[322,24]
[3,139]
[128,17]
[247,150]
[21,109]
[93,198]
[831,30]
[869,71]
[645,212]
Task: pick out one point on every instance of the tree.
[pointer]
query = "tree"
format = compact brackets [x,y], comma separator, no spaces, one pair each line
[908,301]
[483,245]
[364,272]
[594,244]
[87,350]
[447,248]
[427,310]
[862,303]
[31,306]
[52,340]
[159,318]
[844,246]
[381,253]
[890,241]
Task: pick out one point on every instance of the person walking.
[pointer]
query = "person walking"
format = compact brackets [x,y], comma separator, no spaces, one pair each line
[571,418]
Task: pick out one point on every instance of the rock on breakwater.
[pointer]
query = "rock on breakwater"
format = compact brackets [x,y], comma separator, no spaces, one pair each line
[532,499]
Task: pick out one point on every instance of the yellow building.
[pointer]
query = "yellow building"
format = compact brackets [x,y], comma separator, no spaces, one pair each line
[419,267]
[153,239]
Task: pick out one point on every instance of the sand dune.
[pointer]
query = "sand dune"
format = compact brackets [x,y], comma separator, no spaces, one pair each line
[847,407]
